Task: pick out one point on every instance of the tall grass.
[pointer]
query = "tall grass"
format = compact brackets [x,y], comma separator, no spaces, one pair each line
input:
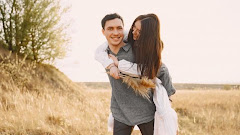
[201,112]
[211,112]
[37,99]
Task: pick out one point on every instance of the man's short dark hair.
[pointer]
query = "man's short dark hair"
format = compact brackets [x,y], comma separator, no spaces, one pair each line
[110,17]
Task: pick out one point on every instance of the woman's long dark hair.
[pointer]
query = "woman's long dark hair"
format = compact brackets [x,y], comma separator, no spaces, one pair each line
[130,33]
[148,47]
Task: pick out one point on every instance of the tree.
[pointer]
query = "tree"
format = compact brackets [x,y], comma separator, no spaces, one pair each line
[33,28]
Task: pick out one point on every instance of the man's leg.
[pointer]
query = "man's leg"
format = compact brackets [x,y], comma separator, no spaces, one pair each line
[121,128]
[147,128]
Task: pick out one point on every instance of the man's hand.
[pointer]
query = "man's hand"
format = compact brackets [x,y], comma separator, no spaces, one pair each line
[114,72]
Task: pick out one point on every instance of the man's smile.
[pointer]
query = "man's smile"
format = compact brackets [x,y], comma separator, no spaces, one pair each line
[115,38]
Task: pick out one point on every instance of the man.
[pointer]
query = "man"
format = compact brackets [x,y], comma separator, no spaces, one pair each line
[128,109]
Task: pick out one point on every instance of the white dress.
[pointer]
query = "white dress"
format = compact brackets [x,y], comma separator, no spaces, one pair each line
[165,119]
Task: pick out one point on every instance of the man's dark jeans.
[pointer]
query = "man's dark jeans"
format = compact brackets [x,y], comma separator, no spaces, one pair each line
[123,129]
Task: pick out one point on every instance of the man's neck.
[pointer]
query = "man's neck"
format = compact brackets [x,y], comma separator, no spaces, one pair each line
[116,48]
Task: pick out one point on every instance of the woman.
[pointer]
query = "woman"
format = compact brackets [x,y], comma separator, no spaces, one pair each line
[144,37]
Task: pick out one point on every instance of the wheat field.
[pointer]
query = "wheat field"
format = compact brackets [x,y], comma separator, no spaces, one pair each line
[38,99]
[200,112]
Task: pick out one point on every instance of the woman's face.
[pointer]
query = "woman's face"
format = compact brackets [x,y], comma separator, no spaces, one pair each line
[136,30]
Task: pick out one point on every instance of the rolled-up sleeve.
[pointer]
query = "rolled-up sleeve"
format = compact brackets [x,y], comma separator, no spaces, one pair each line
[164,76]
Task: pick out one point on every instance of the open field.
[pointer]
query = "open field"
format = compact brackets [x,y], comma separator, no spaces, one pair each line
[201,112]
[178,86]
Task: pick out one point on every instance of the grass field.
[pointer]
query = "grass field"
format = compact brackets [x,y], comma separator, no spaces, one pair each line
[200,112]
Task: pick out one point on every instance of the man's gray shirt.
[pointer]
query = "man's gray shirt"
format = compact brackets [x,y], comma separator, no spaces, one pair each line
[127,106]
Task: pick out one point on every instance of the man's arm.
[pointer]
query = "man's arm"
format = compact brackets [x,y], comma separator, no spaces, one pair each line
[166,79]
[113,71]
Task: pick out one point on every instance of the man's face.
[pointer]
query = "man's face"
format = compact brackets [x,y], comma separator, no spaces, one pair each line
[113,31]
[136,30]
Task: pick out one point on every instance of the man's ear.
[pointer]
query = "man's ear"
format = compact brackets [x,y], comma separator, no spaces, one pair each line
[103,32]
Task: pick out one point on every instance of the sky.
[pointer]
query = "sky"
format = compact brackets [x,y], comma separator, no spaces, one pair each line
[202,38]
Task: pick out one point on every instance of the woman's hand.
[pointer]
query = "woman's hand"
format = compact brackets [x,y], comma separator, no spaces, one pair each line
[114,58]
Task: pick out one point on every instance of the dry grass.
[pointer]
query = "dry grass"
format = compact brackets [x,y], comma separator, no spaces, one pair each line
[202,112]
[40,100]
[208,112]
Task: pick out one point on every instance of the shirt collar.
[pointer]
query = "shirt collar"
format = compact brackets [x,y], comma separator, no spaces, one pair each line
[126,47]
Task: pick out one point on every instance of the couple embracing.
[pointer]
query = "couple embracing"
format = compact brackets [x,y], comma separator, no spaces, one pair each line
[138,57]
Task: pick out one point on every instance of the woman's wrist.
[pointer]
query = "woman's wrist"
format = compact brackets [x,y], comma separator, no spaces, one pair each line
[111,65]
